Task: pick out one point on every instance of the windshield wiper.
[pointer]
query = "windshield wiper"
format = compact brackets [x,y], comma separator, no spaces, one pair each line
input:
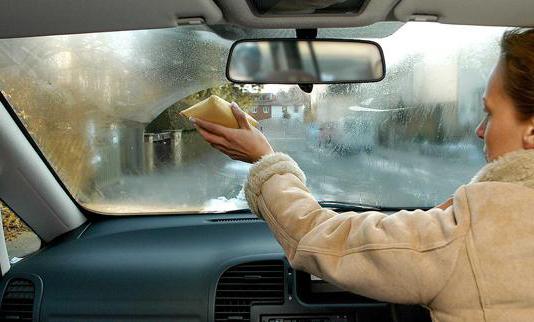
[348,206]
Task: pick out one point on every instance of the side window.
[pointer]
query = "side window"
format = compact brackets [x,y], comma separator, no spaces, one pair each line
[20,239]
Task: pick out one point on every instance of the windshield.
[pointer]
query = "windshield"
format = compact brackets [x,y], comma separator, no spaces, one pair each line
[103,109]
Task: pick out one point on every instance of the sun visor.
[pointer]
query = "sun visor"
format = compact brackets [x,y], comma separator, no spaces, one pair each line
[55,17]
[473,12]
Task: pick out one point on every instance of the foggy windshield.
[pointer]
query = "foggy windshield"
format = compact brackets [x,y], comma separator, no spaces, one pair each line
[103,108]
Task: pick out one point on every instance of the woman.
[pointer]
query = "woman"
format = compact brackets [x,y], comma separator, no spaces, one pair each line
[471,259]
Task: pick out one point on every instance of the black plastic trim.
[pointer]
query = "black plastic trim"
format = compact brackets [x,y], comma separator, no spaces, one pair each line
[38,287]
[299,277]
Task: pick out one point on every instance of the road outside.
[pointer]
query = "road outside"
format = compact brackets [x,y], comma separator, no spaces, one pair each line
[401,177]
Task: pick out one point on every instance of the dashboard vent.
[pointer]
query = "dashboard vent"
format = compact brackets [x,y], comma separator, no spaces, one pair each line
[234,219]
[17,302]
[248,284]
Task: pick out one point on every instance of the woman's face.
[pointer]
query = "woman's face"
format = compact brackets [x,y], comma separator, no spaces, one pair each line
[502,129]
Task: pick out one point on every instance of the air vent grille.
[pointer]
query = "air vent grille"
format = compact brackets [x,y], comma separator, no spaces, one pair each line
[247,284]
[234,219]
[17,302]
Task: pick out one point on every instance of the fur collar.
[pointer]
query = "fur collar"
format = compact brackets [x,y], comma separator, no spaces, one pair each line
[514,167]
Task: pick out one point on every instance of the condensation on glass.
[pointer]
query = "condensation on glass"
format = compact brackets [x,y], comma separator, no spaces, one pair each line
[104,107]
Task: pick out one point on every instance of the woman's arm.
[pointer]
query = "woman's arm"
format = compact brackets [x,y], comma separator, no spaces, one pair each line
[406,257]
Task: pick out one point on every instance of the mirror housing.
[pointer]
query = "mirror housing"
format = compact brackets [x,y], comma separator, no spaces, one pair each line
[305,61]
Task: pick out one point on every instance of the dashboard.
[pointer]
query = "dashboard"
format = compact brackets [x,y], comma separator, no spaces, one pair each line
[178,268]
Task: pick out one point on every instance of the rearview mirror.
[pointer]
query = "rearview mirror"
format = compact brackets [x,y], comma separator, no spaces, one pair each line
[294,61]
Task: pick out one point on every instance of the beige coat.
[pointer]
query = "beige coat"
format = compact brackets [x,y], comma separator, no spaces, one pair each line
[471,262]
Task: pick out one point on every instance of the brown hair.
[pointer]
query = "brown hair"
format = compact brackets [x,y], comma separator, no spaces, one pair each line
[517,57]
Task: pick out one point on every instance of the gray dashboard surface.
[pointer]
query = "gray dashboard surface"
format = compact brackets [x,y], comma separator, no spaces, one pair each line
[161,268]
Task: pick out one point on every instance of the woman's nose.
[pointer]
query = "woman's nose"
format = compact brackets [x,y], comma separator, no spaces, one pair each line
[481,128]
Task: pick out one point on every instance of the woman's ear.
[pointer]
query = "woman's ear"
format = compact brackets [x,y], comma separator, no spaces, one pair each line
[528,137]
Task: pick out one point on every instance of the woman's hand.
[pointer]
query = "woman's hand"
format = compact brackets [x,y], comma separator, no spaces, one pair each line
[245,144]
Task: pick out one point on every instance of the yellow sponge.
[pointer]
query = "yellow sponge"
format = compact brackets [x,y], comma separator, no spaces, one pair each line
[216,110]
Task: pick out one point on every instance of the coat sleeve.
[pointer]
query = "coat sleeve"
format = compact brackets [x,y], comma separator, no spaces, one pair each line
[405,257]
